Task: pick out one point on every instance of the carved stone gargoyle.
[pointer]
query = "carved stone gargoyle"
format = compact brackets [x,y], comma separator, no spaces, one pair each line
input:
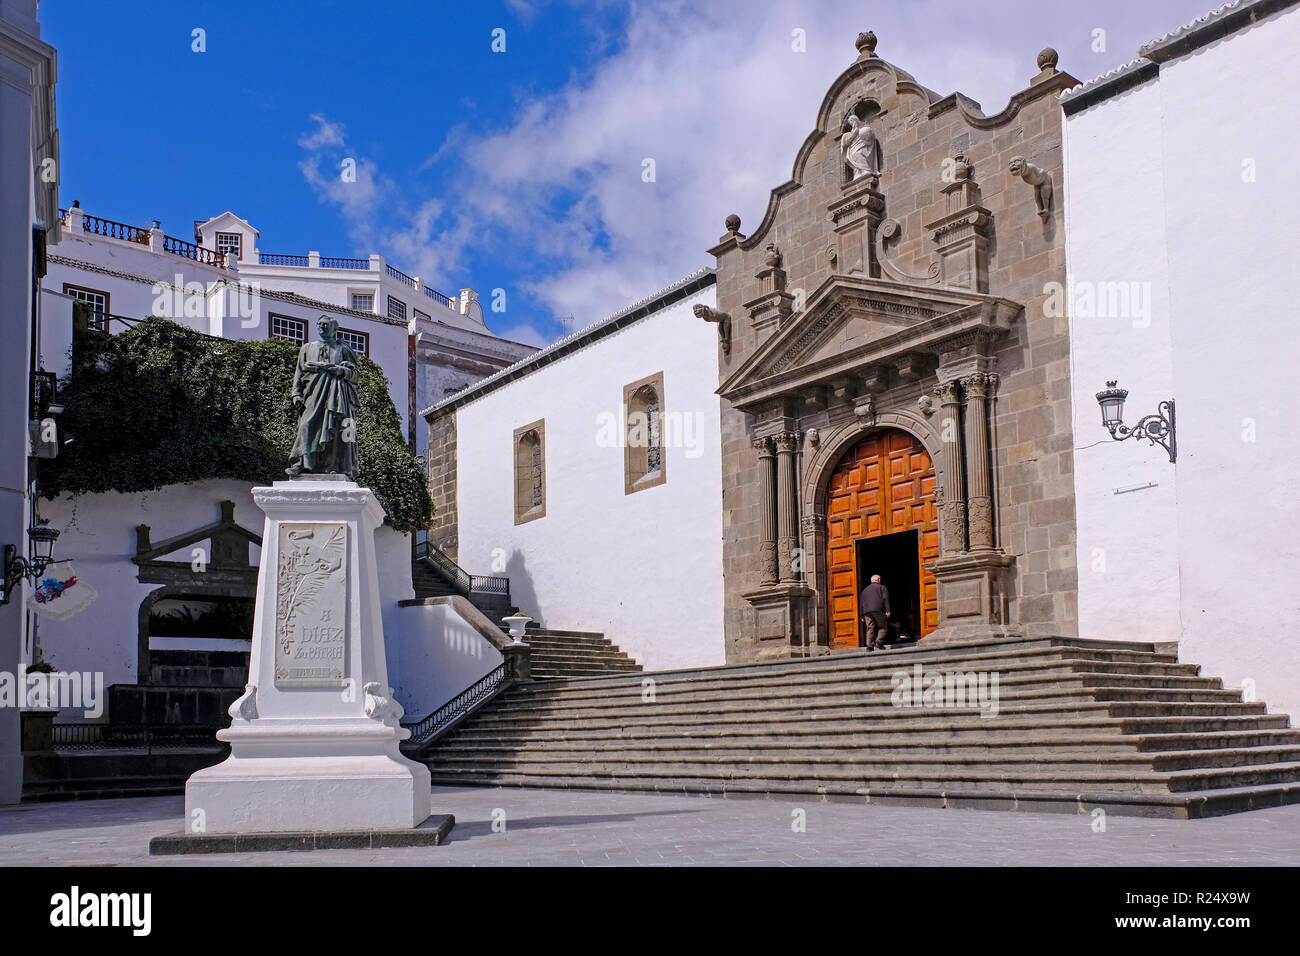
[709,314]
[1037,177]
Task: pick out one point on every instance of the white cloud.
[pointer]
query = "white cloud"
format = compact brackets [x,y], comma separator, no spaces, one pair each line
[717,98]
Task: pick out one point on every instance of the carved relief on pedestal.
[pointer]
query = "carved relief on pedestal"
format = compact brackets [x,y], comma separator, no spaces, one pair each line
[311,605]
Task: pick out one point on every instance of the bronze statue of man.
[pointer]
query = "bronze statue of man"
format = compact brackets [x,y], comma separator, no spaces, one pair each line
[325,395]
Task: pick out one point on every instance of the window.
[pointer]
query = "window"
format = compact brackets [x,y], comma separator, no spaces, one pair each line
[98,302]
[396,309]
[229,242]
[644,459]
[358,342]
[530,472]
[363,301]
[283,327]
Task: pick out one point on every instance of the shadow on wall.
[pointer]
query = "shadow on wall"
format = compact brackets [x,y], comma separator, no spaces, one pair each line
[523,594]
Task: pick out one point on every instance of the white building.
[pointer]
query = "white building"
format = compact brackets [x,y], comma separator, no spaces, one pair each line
[1180,216]
[590,475]
[29,155]
[428,344]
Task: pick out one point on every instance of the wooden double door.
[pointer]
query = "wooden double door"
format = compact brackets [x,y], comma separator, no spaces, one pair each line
[882,486]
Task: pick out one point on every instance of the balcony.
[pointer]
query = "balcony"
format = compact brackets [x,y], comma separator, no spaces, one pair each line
[151,238]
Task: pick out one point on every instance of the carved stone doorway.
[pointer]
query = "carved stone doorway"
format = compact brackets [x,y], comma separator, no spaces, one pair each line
[883,485]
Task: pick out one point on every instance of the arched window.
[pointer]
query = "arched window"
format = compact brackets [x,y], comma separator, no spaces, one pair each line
[644,458]
[530,472]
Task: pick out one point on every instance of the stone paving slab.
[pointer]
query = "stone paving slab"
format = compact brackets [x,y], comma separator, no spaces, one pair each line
[586,828]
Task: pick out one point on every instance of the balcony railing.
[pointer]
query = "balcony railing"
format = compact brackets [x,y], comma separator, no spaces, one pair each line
[437,296]
[274,259]
[111,229]
[334,262]
[401,276]
[179,247]
[428,728]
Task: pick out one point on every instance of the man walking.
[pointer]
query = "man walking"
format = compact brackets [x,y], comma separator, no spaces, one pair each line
[874,607]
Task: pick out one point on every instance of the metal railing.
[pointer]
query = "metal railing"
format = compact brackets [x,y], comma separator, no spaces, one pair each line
[334,262]
[437,296]
[133,736]
[462,580]
[276,259]
[427,729]
[400,276]
[179,247]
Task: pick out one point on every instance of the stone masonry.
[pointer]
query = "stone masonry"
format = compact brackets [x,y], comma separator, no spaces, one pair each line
[912,292]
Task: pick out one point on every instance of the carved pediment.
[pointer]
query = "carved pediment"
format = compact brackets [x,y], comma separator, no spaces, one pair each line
[854,321]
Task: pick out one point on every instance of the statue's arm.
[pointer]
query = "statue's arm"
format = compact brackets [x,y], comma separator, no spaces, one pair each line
[299,372]
[349,364]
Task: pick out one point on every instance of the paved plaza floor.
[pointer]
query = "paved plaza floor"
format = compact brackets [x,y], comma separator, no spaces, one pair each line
[513,827]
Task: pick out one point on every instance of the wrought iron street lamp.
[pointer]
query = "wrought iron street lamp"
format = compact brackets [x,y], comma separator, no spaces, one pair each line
[1158,429]
[40,556]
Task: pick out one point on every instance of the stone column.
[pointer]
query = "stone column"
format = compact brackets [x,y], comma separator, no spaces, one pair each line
[952,517]
[787,505]
[767,508]
[979,497]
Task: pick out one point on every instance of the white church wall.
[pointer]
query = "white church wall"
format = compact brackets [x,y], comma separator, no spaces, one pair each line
[1126,504]
[644,568]
[1231,226]
[1223,225]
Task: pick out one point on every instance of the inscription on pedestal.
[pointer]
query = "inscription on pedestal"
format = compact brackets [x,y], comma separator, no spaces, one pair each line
[311,605]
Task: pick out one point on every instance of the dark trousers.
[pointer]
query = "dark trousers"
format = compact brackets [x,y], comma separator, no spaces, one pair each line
[877,627]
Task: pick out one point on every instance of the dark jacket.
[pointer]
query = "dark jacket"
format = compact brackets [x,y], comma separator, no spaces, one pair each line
[875,597]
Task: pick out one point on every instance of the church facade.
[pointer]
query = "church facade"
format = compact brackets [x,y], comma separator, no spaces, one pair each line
[895,385]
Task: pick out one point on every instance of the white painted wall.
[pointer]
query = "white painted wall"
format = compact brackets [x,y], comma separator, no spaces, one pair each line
[439,655]
[1224,243]
[98,534]
[646,568]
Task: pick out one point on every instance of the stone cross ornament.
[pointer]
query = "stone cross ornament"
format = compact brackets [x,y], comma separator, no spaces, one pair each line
[325,396]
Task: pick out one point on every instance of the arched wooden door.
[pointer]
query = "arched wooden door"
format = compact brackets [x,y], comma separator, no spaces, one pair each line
[883,485]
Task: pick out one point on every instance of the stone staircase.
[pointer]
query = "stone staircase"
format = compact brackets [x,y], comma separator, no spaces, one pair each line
[560,654]
[1079,725]
[430,580]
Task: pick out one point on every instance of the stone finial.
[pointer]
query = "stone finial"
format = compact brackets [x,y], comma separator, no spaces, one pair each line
[732,223]
[772,255]
[866,44]
[1048,59]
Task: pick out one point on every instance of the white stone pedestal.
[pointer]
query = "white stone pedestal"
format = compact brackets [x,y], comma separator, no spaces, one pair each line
[314,739]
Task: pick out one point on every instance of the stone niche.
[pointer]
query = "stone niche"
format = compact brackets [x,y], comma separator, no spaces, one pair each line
[897,280]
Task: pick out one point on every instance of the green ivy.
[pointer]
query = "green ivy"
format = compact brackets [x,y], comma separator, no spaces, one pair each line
[162,404]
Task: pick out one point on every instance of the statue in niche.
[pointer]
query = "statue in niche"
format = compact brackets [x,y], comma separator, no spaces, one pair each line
[1037,177]
[861,148]
[325,396]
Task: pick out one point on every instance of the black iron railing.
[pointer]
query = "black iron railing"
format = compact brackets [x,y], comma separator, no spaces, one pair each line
[462,580]
[279,259]
[134,736]
[427,729]
[437,296]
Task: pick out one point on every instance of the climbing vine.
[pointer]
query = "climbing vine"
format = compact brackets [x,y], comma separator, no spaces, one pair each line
[162,404]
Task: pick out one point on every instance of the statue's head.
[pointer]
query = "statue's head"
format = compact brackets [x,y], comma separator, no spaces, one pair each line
[1017,165]
[327,328]
[851,122]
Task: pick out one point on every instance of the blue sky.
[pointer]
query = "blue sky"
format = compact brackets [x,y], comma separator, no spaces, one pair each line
[519,170]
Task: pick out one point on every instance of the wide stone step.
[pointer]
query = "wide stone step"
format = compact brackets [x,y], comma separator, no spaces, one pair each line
[810,761]
[859,664]
[811,778]
[1057,677]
